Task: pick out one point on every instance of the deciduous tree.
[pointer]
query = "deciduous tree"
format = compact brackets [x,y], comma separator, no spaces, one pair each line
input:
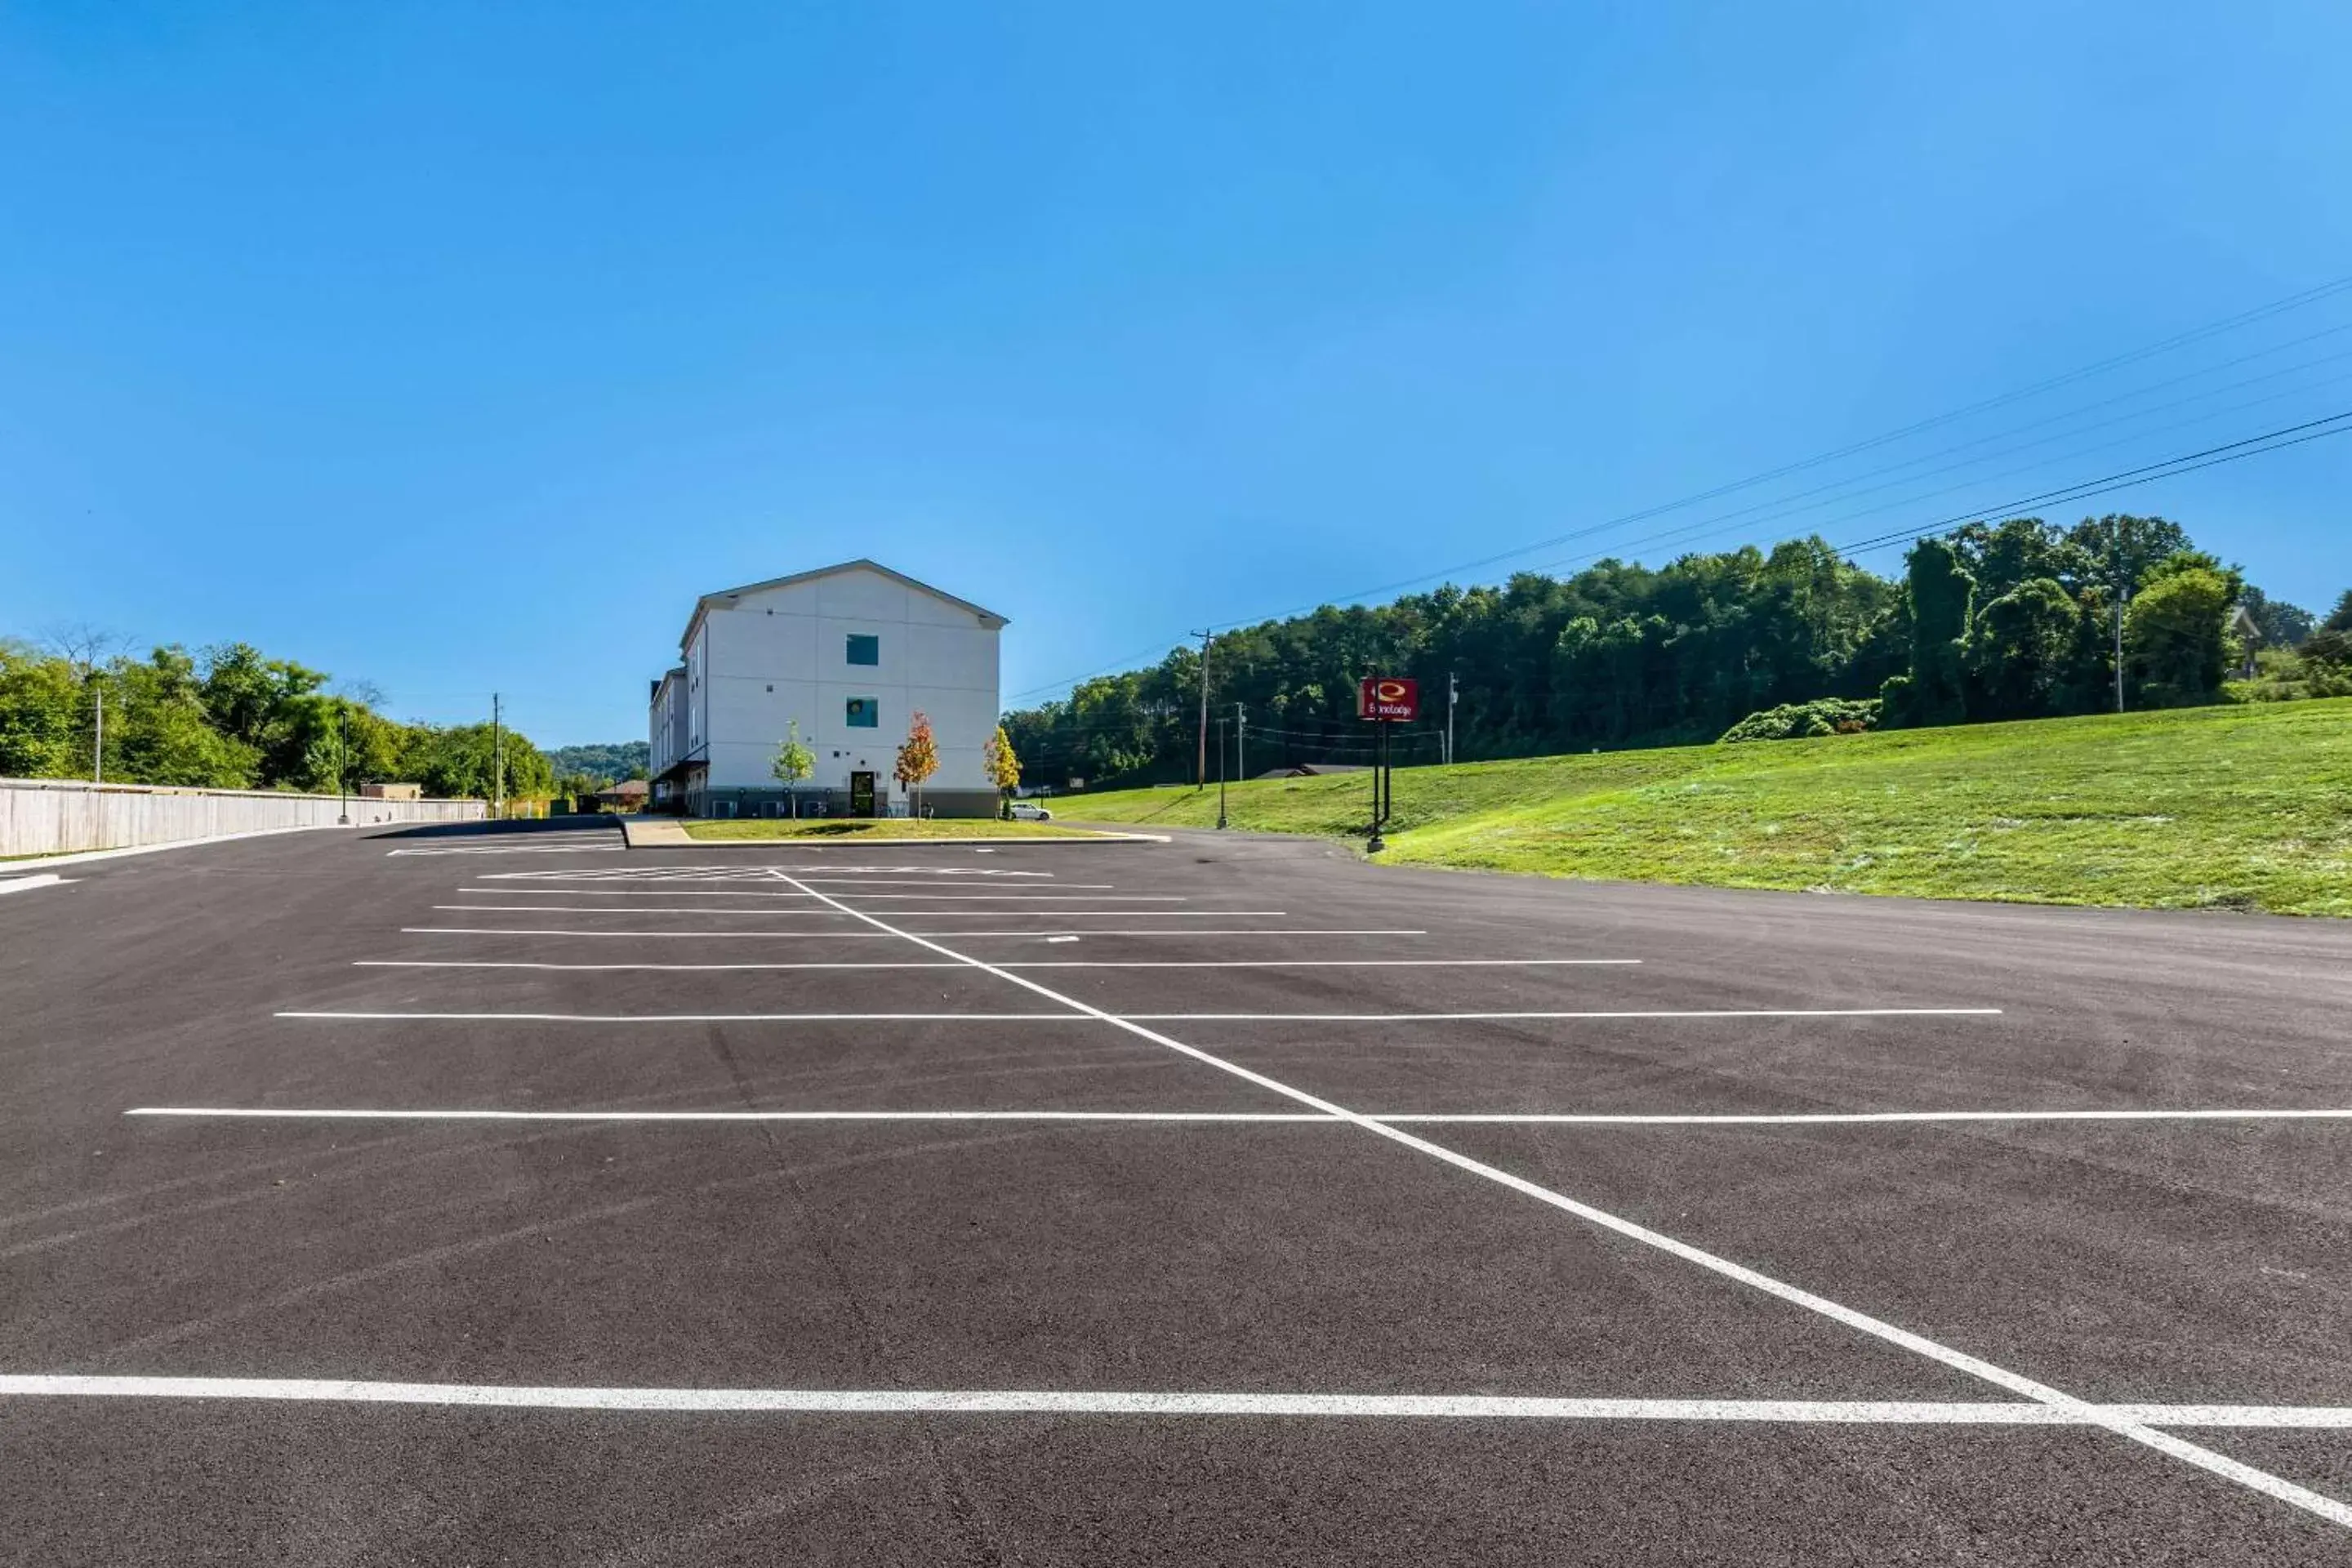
[1002,764]
[1940,592]
[2176,632]
[919,758]
[2019,651]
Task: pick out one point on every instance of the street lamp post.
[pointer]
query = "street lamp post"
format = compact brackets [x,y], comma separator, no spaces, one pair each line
[1221,774]
[343,767]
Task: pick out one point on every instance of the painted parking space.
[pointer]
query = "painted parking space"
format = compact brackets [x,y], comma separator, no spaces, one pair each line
[1204,1185]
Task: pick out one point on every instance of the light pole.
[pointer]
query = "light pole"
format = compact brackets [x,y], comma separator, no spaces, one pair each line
[343,766]
[1201,770]
[2119,647]
[1220,775]
[1453,690]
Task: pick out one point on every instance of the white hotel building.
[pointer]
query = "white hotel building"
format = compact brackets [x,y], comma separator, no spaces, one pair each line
[850,652]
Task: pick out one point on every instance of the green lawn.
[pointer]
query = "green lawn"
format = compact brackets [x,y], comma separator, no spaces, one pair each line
[2241,807]
[829,828]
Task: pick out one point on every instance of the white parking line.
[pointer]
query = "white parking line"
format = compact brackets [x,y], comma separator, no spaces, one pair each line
[692,1017]
[1154,1017]
[1505,1017]
[27,884]
[951,914]
[266,1113]
[1329,963]
[1056,897]
[523,849]
[629,909]
[755,874]
[592,968]
[863,898]
[1065,1402]
[1036,963]
[733,892]
[2131,1429]
[1858,1118]
[1417,1119]
[821,935]
[1003,914]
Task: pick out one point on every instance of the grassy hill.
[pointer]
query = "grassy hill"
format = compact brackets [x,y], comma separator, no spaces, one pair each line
[2241,807]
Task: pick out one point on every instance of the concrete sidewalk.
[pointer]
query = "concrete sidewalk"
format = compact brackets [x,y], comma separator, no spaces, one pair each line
[653,832]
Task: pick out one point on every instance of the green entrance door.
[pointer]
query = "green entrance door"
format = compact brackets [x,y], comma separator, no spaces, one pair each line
[861,795]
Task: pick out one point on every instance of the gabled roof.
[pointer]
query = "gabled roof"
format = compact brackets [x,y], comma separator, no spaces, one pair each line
[987,619]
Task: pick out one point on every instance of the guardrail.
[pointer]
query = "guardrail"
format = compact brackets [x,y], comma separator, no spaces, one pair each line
[59,816]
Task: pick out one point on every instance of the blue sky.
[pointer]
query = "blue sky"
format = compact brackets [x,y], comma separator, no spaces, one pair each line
[457,347]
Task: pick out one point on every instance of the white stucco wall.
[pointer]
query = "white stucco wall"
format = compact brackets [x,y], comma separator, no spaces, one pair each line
[665,726]
[784,655]
[56,816]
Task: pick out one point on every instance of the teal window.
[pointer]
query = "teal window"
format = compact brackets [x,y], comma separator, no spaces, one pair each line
[865,649]
[865,713]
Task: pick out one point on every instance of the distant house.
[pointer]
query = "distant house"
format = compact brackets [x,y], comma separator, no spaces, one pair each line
[392,791]
[629,794]
[849,653]
[1313,770]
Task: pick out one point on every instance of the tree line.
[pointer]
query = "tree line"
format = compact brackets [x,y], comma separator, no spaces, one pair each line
[2008,620]
[228,716]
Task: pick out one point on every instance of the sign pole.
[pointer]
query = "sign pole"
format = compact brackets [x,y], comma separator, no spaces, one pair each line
[1388,773]
[1385,701]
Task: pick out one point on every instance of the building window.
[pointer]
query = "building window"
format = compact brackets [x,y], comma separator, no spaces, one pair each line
[864,649]
[865,713]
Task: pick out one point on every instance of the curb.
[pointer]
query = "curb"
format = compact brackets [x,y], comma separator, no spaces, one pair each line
[669,834]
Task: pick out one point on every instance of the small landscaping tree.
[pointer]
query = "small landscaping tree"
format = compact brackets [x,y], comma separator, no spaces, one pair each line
[1003,767]
[794,761]
[919,758]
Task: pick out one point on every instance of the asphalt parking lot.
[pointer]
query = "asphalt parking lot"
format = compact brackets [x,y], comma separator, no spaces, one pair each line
[514,1197]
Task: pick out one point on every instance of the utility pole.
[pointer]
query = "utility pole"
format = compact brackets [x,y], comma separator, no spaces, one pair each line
[1241,744]
[2119,649]
[498,762]
[98,739]
[1221,774]
[1200,769]
[1453,690]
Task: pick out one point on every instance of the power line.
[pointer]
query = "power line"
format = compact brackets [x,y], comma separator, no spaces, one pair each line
[2313,295]
[2126,479]
[1061,740]
[1646,513]
[1844,484]
[1706,529]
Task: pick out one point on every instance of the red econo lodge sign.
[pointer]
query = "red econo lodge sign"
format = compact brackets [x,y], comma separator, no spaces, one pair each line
[1388,697]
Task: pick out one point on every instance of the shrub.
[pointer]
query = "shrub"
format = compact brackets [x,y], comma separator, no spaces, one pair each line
[1801,721]
[2294,675]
